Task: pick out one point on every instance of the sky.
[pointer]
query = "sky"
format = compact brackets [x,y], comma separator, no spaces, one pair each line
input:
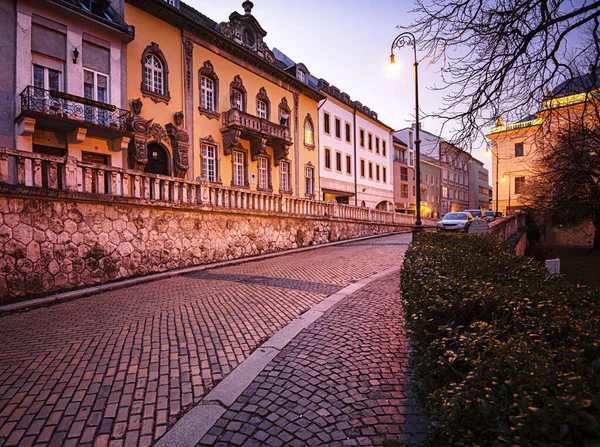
[347,42]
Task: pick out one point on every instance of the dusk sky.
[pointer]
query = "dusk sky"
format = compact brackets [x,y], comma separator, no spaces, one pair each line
[348,44]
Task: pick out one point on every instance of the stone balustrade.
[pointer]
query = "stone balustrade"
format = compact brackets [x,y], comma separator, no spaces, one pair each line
[22,168]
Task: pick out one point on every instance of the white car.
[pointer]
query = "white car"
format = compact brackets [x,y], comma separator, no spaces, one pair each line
[458,221]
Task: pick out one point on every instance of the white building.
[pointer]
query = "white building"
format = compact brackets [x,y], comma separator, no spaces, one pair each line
[355,148]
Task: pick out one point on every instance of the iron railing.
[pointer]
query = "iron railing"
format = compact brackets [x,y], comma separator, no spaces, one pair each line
[64,105]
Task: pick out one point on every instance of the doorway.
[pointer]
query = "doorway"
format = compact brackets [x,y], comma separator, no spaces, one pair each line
[158,160]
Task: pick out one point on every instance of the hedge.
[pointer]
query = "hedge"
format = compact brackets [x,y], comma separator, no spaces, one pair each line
[504,353]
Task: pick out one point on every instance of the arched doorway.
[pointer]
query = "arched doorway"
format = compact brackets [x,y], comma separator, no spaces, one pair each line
[158,160]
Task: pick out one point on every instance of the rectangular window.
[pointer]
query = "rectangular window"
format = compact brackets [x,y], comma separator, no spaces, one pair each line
[326,123]
[362,168]
[207,94]
[377,172]
[404,191]
[284,169]
[209,162]
[338,128]
[310,186]
[263,172]
[377,145]
[261,109]
[384,173]
[238,169]
[338,161]
[410,139]
[348,164]
[371,170]
[404,174]
[519,184]
[95,87]
[383,148]
[327,158]
[348,130]
[370,138]
[362,138]
[518,149]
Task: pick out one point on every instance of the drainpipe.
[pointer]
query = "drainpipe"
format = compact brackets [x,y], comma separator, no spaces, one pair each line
[355,161]
[321,104]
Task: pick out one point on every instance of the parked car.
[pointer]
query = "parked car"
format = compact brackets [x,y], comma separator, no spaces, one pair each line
[491,216]
[476,213]
[459,221]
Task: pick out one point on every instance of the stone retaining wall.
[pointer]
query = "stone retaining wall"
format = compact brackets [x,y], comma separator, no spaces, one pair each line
[58,243]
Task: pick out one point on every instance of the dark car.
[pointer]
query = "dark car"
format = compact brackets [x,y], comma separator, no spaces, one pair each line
[458,221]
[491,216]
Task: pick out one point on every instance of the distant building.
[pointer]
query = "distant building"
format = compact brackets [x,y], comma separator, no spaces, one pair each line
[430,186]
[404,178]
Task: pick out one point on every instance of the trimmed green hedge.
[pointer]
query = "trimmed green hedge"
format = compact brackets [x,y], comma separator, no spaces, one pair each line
[503,352]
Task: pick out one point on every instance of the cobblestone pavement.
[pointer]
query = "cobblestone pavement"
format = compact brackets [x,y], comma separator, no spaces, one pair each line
[119,367]
[342,381]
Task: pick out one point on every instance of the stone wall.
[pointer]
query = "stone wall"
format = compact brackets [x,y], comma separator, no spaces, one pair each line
[50,244]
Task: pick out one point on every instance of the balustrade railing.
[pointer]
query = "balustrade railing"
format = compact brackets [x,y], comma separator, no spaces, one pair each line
[29,169]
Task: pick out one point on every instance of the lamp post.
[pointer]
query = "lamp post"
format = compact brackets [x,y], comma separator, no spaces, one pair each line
[401,41]
[508,174]
[487,149]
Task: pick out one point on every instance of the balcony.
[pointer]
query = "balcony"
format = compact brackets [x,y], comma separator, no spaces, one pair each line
[259,131]
[59,111]
[400,159]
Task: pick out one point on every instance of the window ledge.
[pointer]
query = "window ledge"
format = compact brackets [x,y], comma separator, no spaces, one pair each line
[156,97]
[286,192]
[211,114]
[310,147]
[270,190]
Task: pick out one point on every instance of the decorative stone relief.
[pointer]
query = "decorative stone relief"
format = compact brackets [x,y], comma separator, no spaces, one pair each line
[138,152]
[231,140]
[180,142]
[258,146]
[188,50]
[247,32]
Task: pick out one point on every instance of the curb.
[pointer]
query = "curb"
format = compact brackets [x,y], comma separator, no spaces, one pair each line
[80,293]
[191,428]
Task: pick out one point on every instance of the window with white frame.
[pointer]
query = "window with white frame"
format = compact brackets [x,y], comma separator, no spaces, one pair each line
[95,87]
[154,74]
[263,172]
[237,99]
[310,185]
[207,94]
[301,75]
[261,109]
[46,78]
[209,162]
[238,169]
[284,170]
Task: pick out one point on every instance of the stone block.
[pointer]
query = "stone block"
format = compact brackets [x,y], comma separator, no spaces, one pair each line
[553,265]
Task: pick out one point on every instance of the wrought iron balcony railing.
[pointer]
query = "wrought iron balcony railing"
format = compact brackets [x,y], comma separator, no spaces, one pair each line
[64,105]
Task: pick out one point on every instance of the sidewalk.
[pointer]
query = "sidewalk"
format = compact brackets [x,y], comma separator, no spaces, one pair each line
[121,367]
[342,381]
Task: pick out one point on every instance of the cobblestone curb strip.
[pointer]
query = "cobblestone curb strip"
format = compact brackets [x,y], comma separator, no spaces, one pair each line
[59,297]
[190,429]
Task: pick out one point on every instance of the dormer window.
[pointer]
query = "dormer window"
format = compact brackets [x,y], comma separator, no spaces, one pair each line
[301,75]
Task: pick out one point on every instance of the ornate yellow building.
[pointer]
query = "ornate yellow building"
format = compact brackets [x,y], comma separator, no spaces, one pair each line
[211,103]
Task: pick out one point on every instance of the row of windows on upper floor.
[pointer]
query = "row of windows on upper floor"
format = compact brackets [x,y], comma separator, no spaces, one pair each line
[211,169]
[348,134]
[375,171]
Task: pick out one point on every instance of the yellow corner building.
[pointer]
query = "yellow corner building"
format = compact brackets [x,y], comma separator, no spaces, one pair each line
[211,103]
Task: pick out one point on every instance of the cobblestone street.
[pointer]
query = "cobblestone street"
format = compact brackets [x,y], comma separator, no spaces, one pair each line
[119,368]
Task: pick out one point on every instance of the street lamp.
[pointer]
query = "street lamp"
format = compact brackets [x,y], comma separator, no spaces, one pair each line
[487,149]
[402,40]
[508,174]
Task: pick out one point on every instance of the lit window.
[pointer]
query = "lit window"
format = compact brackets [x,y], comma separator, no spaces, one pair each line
[309,132]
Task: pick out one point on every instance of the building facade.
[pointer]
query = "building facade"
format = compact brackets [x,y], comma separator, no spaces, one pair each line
[479,197]
[217,106]
[404,178]
[430,186]
[69,84]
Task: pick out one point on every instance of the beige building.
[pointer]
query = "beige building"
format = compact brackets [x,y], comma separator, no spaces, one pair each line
[404,178]
[430,186]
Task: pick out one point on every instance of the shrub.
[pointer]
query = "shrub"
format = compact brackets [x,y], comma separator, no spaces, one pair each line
[504,353]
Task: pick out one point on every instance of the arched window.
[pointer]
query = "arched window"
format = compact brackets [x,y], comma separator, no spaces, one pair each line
[237,94]
[155,74]
[309,132]
[263,104]
[209,91]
